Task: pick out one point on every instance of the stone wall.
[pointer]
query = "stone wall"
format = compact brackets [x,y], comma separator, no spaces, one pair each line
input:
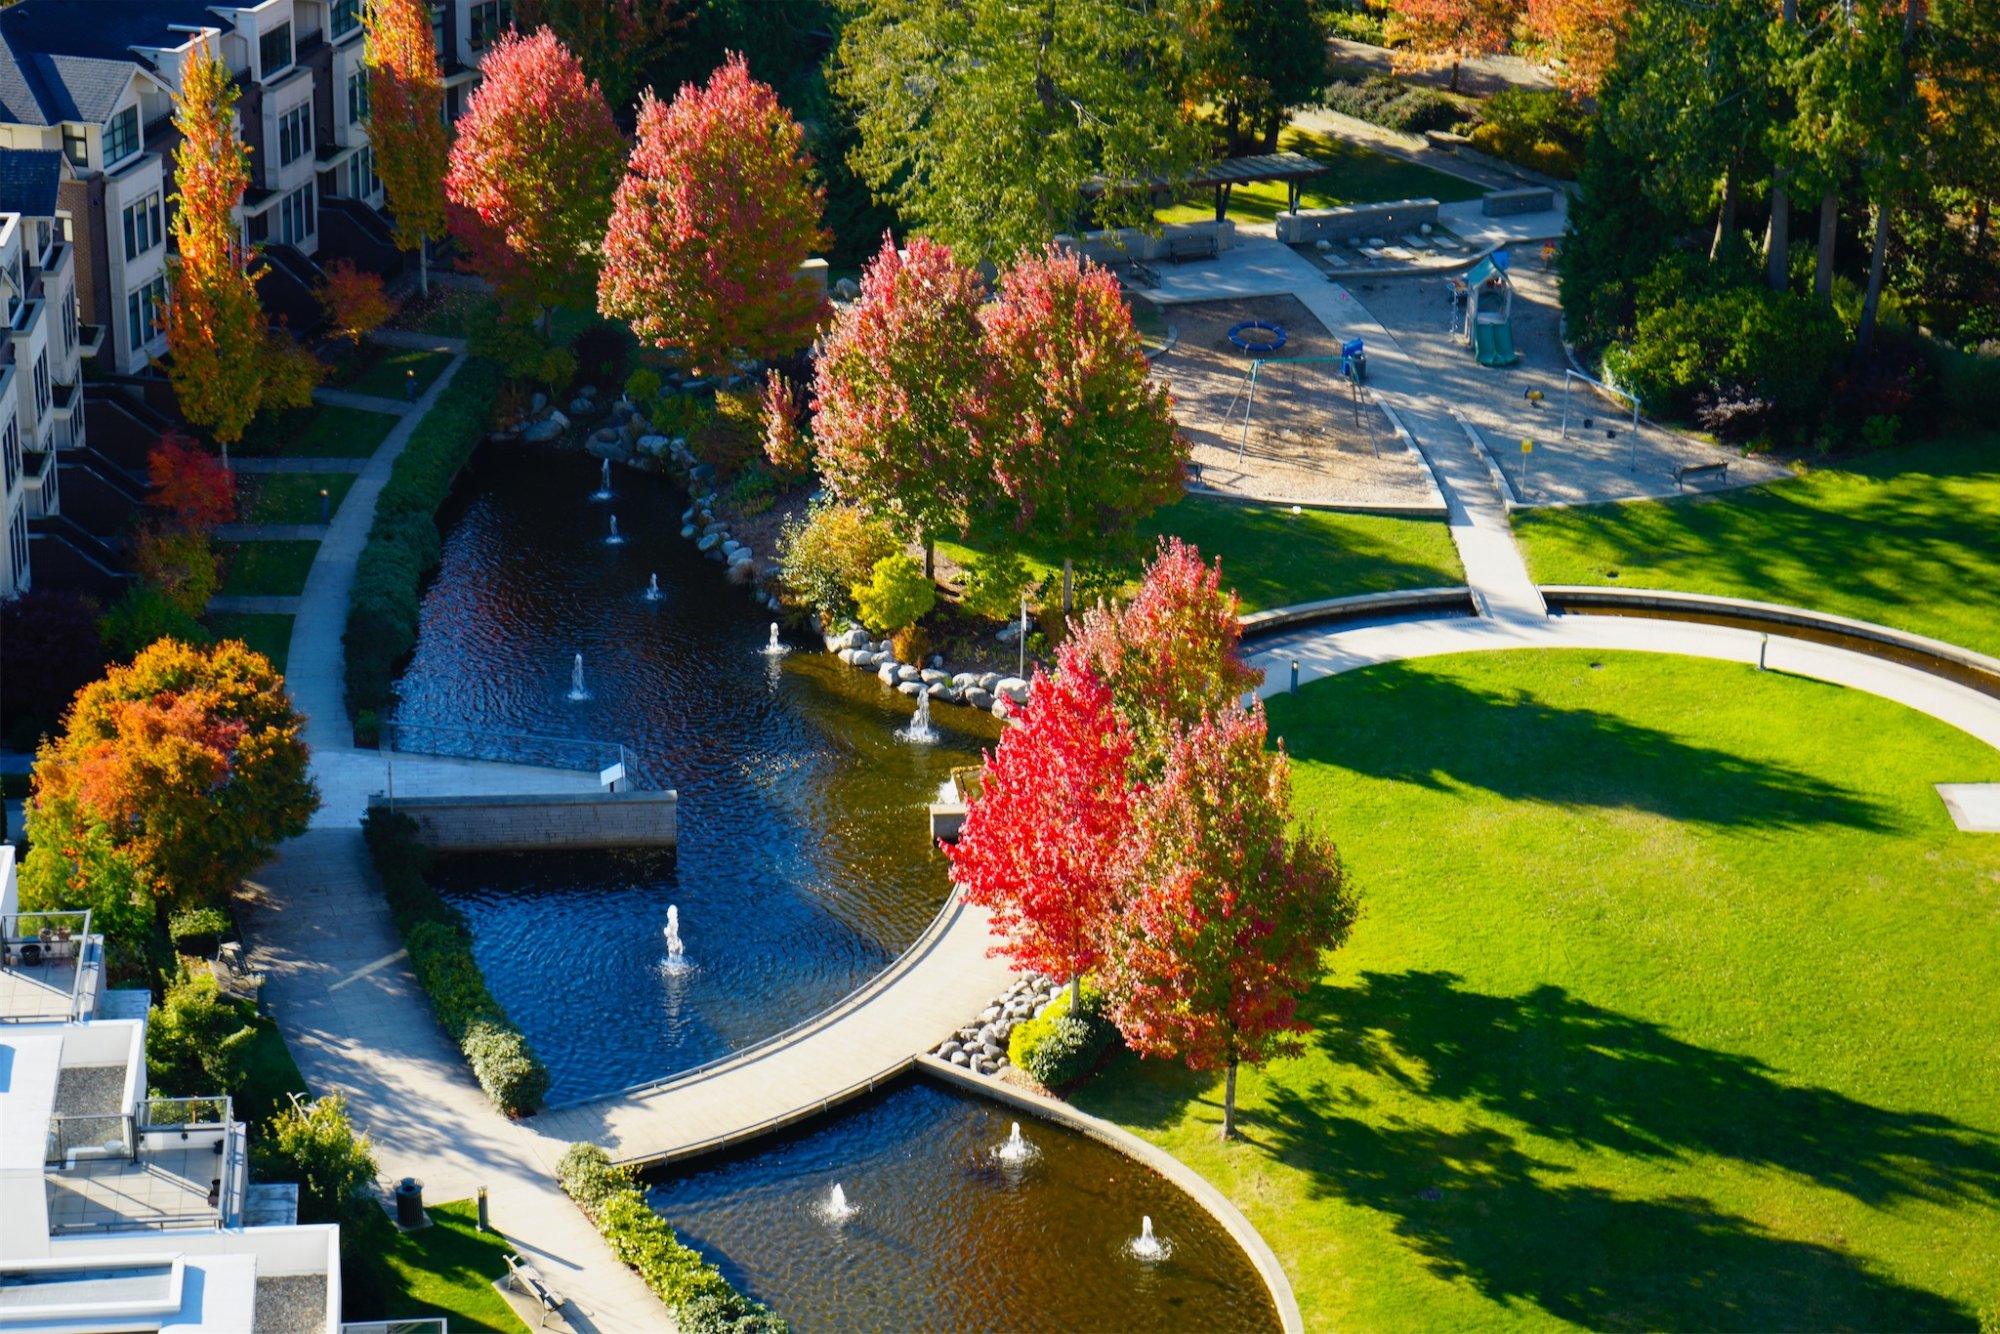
[532,823]
[1339,224]
[1128,243]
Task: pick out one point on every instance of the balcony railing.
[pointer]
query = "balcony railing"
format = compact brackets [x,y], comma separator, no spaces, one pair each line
[502,747]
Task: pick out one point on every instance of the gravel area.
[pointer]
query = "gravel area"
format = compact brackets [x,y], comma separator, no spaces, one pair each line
[1308,440]
[90,1090]
[293,1304]
[1604,461]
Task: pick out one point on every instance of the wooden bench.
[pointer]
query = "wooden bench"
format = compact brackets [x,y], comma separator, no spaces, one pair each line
[1191,245]
[1683,471]
[525,1278]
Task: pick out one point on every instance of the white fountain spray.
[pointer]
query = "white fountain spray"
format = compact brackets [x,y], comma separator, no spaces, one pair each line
[774,649]
[1146,1246]
[835,1208]
[653,593]
[577,694]
[676,951]
[604,482]
[1016,1149]
[614,539]
[920,730]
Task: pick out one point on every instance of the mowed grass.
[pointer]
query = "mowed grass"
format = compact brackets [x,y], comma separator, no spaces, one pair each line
[264,632]
[385,376]
[290,497]
[1908,538]
[1356,175]
[319,432]
[448,1269]
[1273,557]
[266,569]
[1671,1007]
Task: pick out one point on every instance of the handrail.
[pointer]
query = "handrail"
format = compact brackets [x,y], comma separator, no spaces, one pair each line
[501,746]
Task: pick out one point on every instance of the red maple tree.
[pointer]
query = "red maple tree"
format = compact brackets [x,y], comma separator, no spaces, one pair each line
[711,223]
[535,160]
[354,300]
[191,482]
[1226,911]
[1043,841]
[1171,653]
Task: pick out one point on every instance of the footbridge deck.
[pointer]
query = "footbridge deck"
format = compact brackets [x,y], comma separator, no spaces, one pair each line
[874,1035]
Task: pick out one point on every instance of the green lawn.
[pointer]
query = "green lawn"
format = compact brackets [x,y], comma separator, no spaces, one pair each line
[1671,1006]
[446,1269]
[1273,557]
[268,634]
[385,375]
[318,432]
[270,1075]
[266,569]
[289,497]
[1358,175]
[1908,538]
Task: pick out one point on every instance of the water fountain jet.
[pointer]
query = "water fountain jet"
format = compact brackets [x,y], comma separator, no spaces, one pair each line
[653,593]
[603,491]
[774,649]
[676,951]
[614,540]
[1146,1246]
[920,730]
[577,694]
[836,1209]
[1016,1149]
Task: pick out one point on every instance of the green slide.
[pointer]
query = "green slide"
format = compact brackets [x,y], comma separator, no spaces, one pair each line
[1493,343]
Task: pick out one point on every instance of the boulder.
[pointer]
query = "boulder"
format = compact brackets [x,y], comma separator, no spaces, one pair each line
[949,694]
[887,672]
[963,679]
[959,1058]
[908,673]
[687,531]
[581,407]
[709,543]
[1014,688]
[537,401]
[911,688]
[1000,708]
[989,681]
[652,446]
[586,391]
[607,445]
[702,472]
[979,699]
[847,289]
[1009,632]
[545,430]
[933,677]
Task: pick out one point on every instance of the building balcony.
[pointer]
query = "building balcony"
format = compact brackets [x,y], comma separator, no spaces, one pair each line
[90,338]
[27,316]
[51,966]
[176,1163]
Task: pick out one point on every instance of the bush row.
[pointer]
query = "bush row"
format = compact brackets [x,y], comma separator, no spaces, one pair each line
[403,544]
[440,950]
[1056,1047]
[700,1299]
[1383,100]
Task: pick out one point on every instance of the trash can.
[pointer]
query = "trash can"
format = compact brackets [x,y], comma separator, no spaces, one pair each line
[409,1203]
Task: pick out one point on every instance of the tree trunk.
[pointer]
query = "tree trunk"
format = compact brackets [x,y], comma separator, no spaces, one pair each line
[930,558]
[1454,91]
[1778,237]
[1864,333]
[1829,232]
[1229,1103]
[1076,994]
[1725,216]
[1066,585]
[423,266]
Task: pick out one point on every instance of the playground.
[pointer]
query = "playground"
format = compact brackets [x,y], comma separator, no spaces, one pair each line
[1297,432]
[1602,456]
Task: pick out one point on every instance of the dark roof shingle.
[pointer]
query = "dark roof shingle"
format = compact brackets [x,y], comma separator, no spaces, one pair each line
[28,181]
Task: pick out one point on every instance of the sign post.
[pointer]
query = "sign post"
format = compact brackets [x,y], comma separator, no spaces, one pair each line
[1527,448]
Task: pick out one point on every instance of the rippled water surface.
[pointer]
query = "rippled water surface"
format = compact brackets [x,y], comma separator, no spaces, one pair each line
[804,865]
[945,1237]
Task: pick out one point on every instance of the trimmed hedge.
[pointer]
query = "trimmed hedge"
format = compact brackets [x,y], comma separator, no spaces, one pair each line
[1382,99]
[1056,1047]
[403,545]
[440,950]
[699,1298]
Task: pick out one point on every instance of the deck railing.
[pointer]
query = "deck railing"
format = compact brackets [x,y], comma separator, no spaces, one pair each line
[502,747]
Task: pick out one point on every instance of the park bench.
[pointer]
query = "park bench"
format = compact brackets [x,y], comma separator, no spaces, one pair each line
[1683,471]
[525,1278]
[1191,245]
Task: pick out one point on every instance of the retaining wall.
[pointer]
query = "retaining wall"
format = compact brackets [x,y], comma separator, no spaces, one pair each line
[535,823]
[1128,243]
[1339,224]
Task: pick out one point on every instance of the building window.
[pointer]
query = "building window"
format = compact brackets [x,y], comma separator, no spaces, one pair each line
[17,538]
[294,134]
[296,216]
[274,50]
[346,16]
[12,444]
[42,383]
[145,307]
[357,97]
[76,146]
[121,136]
[142,226]
[69,324]
[490,18]
[361,181]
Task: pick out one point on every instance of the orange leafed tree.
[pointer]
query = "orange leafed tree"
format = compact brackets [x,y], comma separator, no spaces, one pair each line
[1448,32]
[354,300]
[214,325]
[1580,38]
[406,120]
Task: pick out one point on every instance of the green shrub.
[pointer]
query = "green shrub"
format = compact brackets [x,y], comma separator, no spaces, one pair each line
[896,594]
[196,1040]
[440,954]
[642,385]
[403,545]
[1383,100]
[696,1294]
[754,490]
[823,555]
[145,614]
[1544,131]
[1057,1047]
[198,930]
[1775,346]
[994,586]
[314,1144]
[1356,25]
[1968,384]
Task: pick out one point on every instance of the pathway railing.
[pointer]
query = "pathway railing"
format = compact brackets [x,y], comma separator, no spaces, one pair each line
[503,747]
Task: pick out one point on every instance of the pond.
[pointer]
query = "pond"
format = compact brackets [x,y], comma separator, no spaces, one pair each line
[944,1234]
[804,865]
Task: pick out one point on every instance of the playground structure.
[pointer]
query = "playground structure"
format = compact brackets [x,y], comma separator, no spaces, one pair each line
[1570,377]
[1295,389]
[1487,330]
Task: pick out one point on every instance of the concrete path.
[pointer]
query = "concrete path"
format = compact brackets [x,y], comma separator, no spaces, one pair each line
[1477,77]
[1329,652]
[359,1025]
[941,982]
[270,532]
[298,465]
[253,604]
[394,407]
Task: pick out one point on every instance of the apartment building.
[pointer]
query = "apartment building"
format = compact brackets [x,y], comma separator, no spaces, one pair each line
[41,395]
[95,79]
[121,1211]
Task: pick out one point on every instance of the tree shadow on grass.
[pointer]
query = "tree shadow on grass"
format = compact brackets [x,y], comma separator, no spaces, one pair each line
[1406,723]
[1572,1071]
